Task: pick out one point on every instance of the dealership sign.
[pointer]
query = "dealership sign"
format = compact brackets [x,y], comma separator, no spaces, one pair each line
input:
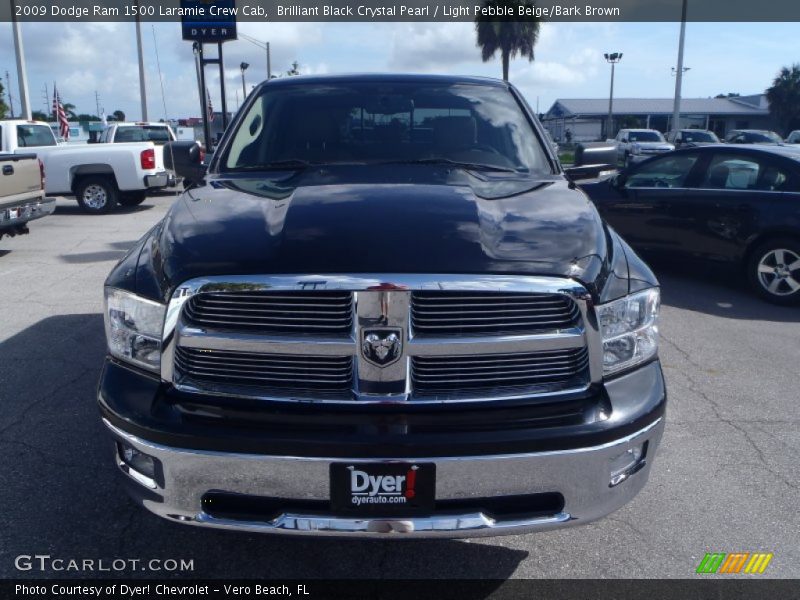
[208,20]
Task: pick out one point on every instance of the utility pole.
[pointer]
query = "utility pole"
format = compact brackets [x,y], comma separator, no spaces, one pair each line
[142,92]
[97,102]
[10,97]
[676,108]
[47,108]
[22,76]
[269,64]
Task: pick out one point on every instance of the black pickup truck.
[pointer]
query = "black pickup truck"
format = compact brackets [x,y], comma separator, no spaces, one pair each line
[384,309]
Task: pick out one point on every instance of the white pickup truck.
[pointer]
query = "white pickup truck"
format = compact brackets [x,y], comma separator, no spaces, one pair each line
[100,177]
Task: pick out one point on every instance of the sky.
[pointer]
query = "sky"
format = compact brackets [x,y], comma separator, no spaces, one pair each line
[84,58]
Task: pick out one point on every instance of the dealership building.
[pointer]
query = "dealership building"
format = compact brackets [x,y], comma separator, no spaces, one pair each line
[586,118]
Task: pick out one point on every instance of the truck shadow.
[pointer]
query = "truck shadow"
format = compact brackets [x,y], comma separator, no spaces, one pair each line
[65,498]
[75,210]
[716,291]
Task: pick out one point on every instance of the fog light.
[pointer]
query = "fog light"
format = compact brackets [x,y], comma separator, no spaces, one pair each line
[140,466]
[626,464]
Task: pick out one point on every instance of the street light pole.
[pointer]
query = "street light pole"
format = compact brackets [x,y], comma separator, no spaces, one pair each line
[22,75]
[142,91]
[243,67]
[612,58]
[676,107]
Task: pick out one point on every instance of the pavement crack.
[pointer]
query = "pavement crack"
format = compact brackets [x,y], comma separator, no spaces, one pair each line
[717,410]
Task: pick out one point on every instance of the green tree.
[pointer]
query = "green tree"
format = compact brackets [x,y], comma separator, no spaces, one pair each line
[85,118]
[38,115]
[507,35]
[784,98]
[3,105]
[118,115]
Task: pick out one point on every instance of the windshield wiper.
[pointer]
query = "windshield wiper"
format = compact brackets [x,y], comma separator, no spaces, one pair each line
[468,166]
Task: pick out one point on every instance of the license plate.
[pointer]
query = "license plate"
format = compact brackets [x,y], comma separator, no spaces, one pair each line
[383,488]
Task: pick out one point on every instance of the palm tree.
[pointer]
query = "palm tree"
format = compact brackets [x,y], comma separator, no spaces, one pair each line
[784,98]
[69,110]
[505,35]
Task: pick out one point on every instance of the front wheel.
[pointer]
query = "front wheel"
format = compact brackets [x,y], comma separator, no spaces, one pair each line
[132,198]
[97,195]
[774,271]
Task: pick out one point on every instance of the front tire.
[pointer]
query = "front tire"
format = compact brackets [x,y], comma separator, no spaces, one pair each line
[773,270]
[97,195]
[132,198]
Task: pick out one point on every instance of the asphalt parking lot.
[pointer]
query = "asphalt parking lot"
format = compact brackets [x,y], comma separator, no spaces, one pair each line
[725,480]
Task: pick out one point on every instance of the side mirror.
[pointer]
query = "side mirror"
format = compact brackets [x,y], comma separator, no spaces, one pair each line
[185,159]
[578,173]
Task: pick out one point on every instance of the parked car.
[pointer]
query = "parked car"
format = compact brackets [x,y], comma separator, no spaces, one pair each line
[636,145]
[692,137]
[793,137]
[383,310]
[22,198]
[738,205]
[753,136]
[99,177]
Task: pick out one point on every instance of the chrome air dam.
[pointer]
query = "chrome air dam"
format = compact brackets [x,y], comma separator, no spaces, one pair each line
[581,475]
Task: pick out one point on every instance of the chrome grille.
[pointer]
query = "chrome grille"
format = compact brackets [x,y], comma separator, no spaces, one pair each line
[312,313]
[461,338]
[501,373]
[276,373]
[469,313]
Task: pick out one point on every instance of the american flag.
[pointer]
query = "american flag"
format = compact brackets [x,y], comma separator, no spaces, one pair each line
[210,107]
[60,115]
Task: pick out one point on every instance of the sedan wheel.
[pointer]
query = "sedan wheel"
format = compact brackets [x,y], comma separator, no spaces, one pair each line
[775,271]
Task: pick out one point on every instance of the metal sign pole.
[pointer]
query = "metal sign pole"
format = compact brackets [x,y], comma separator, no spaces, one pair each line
[222,89]
[204,99]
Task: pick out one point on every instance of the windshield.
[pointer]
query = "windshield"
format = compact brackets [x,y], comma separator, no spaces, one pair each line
[699,137]
[372,122]
[35,135]
[142,133]
[645,136]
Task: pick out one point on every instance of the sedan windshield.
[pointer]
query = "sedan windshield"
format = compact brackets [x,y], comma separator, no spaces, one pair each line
[700,137]
[471,126]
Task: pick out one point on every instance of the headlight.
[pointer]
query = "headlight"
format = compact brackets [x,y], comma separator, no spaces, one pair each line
[635,149]
[629,327]
[133,328]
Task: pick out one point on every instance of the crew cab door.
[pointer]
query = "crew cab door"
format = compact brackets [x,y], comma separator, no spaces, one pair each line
[643,208]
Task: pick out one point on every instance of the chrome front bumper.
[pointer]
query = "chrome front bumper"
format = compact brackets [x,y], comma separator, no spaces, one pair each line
[581,475]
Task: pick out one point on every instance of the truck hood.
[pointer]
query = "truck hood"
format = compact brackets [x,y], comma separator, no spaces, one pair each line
[407,219]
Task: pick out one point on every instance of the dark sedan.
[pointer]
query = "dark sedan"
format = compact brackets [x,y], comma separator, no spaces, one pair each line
[732,204]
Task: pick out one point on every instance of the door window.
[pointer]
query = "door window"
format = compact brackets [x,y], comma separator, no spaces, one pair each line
[731,172]
[667,172]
